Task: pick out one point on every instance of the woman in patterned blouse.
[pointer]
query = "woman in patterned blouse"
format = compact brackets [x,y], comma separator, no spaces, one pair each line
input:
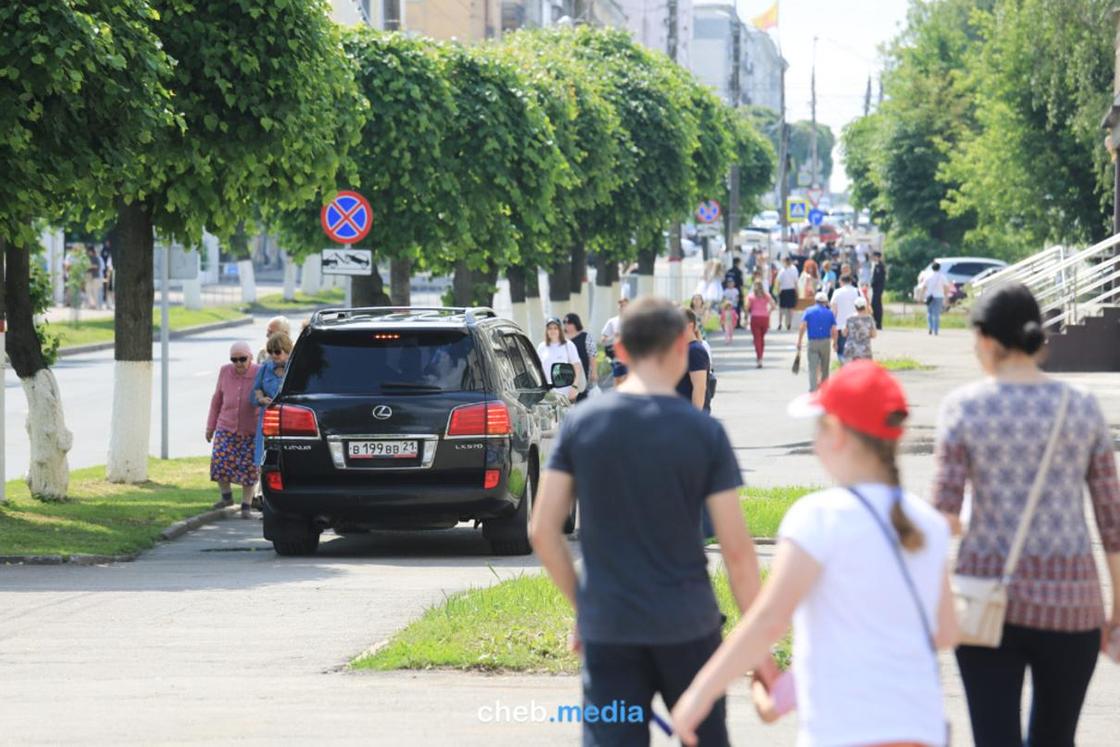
[991,435]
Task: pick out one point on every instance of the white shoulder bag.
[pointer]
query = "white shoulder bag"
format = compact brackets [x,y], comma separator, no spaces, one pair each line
[981,603]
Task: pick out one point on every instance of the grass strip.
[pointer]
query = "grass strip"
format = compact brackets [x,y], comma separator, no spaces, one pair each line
[275,302]
[102,330]
[102,518]
[519,625]
[902,363]
[917,319]
[764,508]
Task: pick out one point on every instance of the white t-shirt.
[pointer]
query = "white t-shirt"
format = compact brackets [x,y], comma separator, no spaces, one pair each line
[610,329]
[935,283]
[844,299]
[559,353]
[863,667]
[787,278]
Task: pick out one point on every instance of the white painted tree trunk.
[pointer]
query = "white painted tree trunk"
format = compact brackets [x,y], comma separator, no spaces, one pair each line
[676,281]
[579,303]
[645,286]
[131,422]
[534,322]
[49,474]
[248,281]
[616,293]
[521,314]
[560,308]
[312,275]
[289,277]
[192,293]
[601,309]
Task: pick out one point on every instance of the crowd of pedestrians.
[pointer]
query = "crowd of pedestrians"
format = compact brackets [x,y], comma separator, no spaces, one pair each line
[861,570]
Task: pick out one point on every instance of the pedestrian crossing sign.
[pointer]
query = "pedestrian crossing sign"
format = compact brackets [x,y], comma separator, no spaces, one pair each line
[797,209]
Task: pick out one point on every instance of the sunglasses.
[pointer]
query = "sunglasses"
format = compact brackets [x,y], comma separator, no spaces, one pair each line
[238,359]
[275,352]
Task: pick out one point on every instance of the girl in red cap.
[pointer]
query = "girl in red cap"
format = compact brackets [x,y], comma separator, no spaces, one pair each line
[861,572]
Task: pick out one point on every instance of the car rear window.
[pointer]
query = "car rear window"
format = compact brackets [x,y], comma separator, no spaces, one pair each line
[383,362]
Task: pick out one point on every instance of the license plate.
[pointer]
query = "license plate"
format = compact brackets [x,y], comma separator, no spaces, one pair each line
[383,449]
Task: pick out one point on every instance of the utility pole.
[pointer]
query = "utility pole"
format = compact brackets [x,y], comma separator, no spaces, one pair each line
[867,98]
[815,179]
[783,160]
[676,276]
[731,222]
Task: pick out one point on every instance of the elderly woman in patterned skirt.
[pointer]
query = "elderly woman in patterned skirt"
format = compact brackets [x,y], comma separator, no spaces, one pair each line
[231,426]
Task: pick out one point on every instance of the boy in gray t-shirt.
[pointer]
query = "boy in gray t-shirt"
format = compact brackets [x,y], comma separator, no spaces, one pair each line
[643,462]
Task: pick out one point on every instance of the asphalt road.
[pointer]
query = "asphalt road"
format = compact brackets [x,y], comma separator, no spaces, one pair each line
[86,383]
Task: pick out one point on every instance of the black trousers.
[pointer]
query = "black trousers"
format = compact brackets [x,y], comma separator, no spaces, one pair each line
[1061,666]
[613,673]
[877,308]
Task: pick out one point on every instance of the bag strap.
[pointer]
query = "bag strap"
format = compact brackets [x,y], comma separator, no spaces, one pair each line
[1035,495]
[893,540]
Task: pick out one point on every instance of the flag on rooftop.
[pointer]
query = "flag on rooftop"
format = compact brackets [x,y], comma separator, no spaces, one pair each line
[768,19]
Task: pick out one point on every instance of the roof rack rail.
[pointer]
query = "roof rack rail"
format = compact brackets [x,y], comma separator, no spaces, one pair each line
[338,314]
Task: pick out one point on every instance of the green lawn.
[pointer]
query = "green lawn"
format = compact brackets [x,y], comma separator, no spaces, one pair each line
[763,508]
[100,518]
[521,624]
[895,364]
[275,302]
[101,330]
[917,319]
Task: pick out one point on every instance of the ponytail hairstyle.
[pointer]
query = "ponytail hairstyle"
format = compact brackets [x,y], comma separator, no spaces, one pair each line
[886,451]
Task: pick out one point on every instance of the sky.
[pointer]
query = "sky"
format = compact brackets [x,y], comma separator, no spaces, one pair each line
[849,34]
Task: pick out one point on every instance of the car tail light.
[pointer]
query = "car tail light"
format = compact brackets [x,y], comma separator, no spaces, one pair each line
[289,420]
[482,419]
[273,480]
[493,476]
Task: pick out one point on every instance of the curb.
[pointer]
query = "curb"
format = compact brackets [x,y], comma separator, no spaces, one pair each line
[175,334]
[178,529]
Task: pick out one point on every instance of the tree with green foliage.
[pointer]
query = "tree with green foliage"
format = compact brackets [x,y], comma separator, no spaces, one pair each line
[757,162]
[83,91]
[263,89]
[1033,170]
[502,150]
[766,120]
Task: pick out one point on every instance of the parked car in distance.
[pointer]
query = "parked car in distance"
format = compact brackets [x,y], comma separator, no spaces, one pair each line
[409,418]
[962,270]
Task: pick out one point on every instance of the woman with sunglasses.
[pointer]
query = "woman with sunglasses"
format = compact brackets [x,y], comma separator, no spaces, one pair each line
[232,426]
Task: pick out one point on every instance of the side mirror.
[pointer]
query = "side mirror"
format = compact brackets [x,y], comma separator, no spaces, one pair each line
[563,375]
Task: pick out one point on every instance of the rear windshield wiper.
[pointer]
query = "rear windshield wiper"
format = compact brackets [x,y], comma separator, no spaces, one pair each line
[411,385]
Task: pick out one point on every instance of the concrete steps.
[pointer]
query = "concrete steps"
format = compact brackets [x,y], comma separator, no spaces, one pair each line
[1093,344]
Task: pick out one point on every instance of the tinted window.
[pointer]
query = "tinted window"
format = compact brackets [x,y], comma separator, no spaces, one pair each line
[532,362]
[527,375]
[370,362]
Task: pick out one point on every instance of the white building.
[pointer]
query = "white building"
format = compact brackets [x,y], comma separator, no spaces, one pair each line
[648,22]
[760,65]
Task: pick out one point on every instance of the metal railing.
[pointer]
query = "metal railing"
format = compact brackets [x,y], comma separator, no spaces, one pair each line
[1069,284]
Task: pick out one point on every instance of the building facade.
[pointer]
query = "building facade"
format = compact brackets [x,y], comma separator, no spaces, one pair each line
[648,22]
[712,58]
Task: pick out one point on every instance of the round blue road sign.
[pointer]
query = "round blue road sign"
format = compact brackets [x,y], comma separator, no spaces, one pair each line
[816,217]
[347,218]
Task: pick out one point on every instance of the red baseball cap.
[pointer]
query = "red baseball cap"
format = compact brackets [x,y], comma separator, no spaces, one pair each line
[862,395]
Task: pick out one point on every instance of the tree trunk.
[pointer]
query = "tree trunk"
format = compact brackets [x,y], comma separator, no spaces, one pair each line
[311,281]
[49,474]
[579,284]
[368,290]
[602,302]
[516,278]
[646,261]
[248,280]
[560,286]
[484,285]
[289,276]
[132,373]
[400,281]
[461,284]
[534,314]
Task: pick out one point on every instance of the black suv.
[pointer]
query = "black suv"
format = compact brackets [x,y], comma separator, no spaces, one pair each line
[408,418]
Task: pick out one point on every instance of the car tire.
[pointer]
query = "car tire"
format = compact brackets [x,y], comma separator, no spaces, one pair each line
[511,536]
[290,537]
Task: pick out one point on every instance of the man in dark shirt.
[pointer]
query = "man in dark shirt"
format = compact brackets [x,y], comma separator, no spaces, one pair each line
[693,386]
[878,284]
[643,462]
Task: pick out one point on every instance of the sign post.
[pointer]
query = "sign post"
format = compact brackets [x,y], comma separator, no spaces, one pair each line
[347,219]
[164,348]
